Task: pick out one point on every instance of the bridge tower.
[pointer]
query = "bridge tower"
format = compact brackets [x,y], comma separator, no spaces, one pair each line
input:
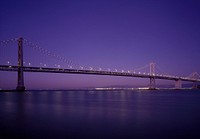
[152,74]
[178,84]
[20,77]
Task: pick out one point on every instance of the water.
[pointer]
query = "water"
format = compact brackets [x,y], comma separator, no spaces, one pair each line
[100,114]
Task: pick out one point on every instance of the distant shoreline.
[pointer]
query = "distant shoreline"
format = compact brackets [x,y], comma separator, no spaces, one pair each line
[95,89]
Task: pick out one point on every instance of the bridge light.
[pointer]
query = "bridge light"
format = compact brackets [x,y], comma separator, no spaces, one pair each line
[115,70]
[100,69]
[29,63]
[45,65]
[122,70]
[138,72]
[59,66]
[8,62]
[81,67]
[128,71]
[70,67]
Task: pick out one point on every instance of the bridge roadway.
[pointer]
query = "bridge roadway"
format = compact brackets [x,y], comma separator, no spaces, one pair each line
[94,72]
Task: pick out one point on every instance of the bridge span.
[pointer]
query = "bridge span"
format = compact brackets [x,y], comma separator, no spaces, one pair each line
[20,68]
[100,72]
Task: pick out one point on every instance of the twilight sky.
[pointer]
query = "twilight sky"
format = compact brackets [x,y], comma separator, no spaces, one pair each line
[115,34]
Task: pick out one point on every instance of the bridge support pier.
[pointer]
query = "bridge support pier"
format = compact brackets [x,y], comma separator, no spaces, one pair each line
[178,84]
[194,86]
[20,77]
[152,85]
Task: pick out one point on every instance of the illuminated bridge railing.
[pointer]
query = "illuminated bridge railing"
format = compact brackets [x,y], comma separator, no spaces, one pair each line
[94,72]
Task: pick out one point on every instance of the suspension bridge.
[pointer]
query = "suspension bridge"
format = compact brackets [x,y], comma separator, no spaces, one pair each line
[20,68]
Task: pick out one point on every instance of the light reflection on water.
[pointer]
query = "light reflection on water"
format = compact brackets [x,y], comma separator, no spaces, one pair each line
[102,114]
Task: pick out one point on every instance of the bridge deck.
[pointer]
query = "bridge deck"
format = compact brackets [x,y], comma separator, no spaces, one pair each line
[94,72]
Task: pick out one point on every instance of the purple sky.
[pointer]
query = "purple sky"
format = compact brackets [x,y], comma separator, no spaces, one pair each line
[118,34]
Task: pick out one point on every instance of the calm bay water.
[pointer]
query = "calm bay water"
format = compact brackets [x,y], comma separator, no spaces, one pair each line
[100,114]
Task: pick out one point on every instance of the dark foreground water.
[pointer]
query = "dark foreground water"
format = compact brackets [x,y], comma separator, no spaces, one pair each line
[100,114]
